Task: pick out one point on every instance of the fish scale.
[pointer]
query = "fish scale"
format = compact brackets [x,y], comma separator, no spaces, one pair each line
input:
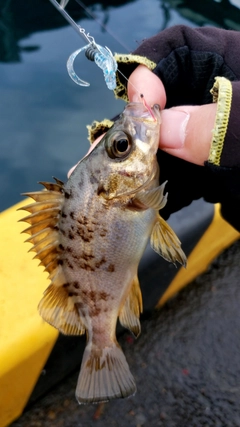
[90,235]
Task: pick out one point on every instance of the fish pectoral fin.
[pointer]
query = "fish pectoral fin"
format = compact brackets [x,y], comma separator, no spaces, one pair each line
[154,198]
[165,242]
[58,309]
[104,375]
[132,308]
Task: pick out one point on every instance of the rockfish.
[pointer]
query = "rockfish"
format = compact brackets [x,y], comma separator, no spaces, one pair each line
[90,235]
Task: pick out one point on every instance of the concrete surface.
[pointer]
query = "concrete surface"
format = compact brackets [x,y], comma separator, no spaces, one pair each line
[186,364]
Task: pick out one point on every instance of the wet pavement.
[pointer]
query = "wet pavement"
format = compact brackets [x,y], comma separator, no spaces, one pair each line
[186,363]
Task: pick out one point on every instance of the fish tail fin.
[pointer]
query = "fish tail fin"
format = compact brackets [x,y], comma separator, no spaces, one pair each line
[104,375]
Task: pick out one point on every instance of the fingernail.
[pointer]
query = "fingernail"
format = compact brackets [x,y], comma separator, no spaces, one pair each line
[173,128]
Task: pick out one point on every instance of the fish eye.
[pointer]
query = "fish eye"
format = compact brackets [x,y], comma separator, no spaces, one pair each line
[119,145]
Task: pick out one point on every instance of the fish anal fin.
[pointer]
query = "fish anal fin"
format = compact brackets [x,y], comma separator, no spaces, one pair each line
[165,242]
[132,308]
[154,198]
[58,309]
[104,375]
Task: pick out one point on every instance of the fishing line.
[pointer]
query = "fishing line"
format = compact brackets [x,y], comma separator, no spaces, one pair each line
[81,31]
[102,57]
[91,15]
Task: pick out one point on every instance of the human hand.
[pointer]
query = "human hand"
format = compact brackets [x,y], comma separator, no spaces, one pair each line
[186,131]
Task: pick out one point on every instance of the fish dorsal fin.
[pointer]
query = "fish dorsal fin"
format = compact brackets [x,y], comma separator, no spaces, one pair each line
[165,242]
[153,198]
[43,220]
[56,306]
[132,308]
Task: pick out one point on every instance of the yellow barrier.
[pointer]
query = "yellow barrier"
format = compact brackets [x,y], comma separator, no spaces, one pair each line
[218,236]
[25,340]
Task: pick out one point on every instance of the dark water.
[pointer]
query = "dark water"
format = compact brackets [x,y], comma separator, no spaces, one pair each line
[43,114]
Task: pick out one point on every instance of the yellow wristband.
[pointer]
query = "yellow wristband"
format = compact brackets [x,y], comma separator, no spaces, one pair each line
[222,94]
[98,128]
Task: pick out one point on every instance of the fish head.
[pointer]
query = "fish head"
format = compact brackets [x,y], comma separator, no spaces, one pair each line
[127,153]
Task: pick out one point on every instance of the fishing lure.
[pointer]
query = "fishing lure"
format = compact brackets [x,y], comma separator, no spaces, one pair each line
[102,56]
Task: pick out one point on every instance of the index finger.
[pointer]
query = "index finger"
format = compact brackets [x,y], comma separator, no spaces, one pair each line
[143,81]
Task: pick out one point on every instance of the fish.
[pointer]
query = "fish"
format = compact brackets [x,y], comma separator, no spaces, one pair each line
[90,234]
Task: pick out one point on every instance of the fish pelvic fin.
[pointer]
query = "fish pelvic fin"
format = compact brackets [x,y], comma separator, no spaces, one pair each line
[104,375]
[166,243]
[130,312]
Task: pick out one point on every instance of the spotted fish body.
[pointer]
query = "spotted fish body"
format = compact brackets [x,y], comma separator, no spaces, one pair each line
[90,234]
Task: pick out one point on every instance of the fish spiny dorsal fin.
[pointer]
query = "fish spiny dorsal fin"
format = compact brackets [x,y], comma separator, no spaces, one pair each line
[51,186]
[41,206]
[132,308]
[43,220]
[34,229]
[58,181]
[104,375]
[37,217]
[165,242]
[57,306]
[39,235]
[40,196]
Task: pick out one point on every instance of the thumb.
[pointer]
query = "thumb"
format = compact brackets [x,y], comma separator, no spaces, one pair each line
[186,132]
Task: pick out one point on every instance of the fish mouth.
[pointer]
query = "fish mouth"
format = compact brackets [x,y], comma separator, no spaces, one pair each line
[142,111]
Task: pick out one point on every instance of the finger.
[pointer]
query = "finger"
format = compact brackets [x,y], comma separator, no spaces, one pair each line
[93,145]
[143,81]
[72,169]
[186,132]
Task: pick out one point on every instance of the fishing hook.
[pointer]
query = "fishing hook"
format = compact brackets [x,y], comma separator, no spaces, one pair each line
[102,57]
